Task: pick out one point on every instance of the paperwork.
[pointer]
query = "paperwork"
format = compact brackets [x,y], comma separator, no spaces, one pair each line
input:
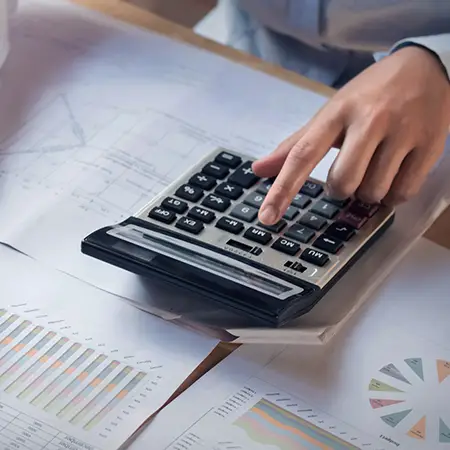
[105,116]
[382,384]
[80,369]
[97,117]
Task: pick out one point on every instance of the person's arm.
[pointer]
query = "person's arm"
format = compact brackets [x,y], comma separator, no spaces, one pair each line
[439,45]
[390,122]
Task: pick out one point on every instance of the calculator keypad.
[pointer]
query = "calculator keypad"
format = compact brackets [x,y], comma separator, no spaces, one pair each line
[219,202]
[216,202]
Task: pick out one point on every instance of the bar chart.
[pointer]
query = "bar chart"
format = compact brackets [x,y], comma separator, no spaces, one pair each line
[260,416]
[74,383]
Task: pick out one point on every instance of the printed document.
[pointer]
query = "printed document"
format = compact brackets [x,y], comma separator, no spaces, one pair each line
[80,369]
[382,384]
[97,117]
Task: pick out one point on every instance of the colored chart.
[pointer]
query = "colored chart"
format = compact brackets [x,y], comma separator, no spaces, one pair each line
[389,398]
[63,378]
[269,424]
[259,416]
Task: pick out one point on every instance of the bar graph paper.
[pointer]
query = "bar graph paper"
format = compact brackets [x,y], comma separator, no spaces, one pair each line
[69,381]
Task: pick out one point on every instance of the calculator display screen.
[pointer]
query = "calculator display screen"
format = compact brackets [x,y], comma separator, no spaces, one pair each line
[250,278]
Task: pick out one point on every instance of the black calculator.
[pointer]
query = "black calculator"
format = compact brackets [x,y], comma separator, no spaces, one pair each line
[202,233]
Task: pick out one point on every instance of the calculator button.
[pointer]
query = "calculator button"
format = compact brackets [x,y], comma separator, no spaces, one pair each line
[201,214]
[174,205]
[363,209]
[216,170]
[229,190]
[328,244]
[264,187]
[325,209]
[301,201]
[286,246]
[254,199]
[244,176]
[203,181]
[315,257]
[229,160]
[311,189]
[191,225]
[313,221]
[244,212]
[190,193]
[216,202]
[335,202]
[276,227]
[291,213]
[353,220]
[300,233]
[231,225]
[257,235]
[162,215]
[340,231]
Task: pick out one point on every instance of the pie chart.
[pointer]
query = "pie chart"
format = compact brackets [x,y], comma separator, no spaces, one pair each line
[394,400]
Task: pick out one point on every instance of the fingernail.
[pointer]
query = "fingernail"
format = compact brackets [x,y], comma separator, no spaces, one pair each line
[268,215]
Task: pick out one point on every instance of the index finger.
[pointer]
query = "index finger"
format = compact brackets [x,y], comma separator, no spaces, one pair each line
[306,153]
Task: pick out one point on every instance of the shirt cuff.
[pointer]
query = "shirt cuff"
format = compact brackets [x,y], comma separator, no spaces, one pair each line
[438,45]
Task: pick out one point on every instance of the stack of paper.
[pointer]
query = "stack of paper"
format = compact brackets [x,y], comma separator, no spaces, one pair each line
[98,117]
[79,368]
[384,383]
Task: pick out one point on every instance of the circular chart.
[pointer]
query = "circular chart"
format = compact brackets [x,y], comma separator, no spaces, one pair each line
[408,397]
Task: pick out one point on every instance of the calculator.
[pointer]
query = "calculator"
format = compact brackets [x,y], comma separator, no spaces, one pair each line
[202,233]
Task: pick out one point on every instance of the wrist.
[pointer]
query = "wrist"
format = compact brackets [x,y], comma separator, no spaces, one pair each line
[421,51]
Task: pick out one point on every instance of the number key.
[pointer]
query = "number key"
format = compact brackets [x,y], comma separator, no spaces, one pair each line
[216,202]
[313,221]
[264,187]
[311,189]
[336,202]
[188,192]
[254,199]
[300,233]
[244,212]
[291,213]
[325,209]
[301,201]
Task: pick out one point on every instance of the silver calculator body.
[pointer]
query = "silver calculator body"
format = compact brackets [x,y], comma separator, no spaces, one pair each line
[202,233]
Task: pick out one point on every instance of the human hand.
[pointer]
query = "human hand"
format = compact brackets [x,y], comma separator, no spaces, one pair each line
[390,123]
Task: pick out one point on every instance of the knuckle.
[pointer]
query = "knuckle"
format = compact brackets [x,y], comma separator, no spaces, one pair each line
[342,187]
[302,152]
[372,195]
[376,115]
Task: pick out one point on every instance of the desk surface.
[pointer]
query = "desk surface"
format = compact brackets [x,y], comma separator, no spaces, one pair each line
[134,15]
